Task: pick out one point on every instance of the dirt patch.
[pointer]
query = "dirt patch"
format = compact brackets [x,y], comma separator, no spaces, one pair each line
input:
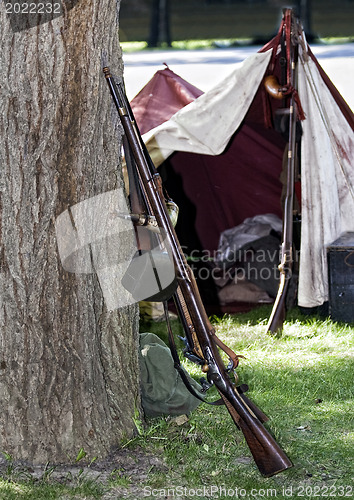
[124,474]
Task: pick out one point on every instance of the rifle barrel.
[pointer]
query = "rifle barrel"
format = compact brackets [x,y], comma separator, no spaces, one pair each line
[268,456]
[277,317]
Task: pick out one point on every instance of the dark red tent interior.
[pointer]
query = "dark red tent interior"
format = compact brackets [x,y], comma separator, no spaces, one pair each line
[221,191]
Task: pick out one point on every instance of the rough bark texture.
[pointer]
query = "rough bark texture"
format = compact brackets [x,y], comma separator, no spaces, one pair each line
[68,368]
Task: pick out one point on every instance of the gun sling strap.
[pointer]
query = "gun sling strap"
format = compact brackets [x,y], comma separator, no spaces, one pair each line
[177,364]
[268,456]
[138,201]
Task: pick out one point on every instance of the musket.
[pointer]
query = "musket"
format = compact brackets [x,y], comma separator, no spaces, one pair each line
[277,317]
[202,342]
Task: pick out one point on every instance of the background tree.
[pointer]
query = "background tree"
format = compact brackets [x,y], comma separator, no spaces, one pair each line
[68,367]
[304,11]
[160,23]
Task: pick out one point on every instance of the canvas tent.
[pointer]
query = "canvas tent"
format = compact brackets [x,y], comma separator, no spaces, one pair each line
[223,154]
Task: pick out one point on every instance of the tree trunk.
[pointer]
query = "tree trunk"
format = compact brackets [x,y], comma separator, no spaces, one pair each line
[69,373]
[160,24]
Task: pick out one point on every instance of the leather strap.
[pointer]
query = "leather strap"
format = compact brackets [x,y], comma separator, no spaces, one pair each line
[178,366]
[241,389]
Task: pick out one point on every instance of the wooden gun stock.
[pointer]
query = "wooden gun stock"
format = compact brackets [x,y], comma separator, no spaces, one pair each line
[267,454]
[278,314]
[200,334]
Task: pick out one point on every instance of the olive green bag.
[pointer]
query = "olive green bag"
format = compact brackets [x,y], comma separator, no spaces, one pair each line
[162,389]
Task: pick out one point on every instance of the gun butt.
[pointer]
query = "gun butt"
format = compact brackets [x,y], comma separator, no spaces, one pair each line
[276,322]
[277,317]
[267,454]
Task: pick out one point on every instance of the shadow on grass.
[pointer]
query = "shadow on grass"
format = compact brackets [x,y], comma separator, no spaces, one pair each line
[306,391]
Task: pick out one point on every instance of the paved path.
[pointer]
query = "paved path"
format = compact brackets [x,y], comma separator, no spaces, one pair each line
[205,68]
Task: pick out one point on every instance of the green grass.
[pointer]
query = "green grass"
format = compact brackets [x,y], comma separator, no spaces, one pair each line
[186,44]
[303,381]
[138,46]
[27,490]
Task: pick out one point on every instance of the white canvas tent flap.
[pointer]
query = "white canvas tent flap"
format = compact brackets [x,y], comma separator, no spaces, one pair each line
[206,125]
[327,182]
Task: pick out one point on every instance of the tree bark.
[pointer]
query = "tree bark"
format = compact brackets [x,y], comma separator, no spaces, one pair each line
[69,373]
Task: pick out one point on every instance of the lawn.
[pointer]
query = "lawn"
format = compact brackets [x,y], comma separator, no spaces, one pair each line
[303,381]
